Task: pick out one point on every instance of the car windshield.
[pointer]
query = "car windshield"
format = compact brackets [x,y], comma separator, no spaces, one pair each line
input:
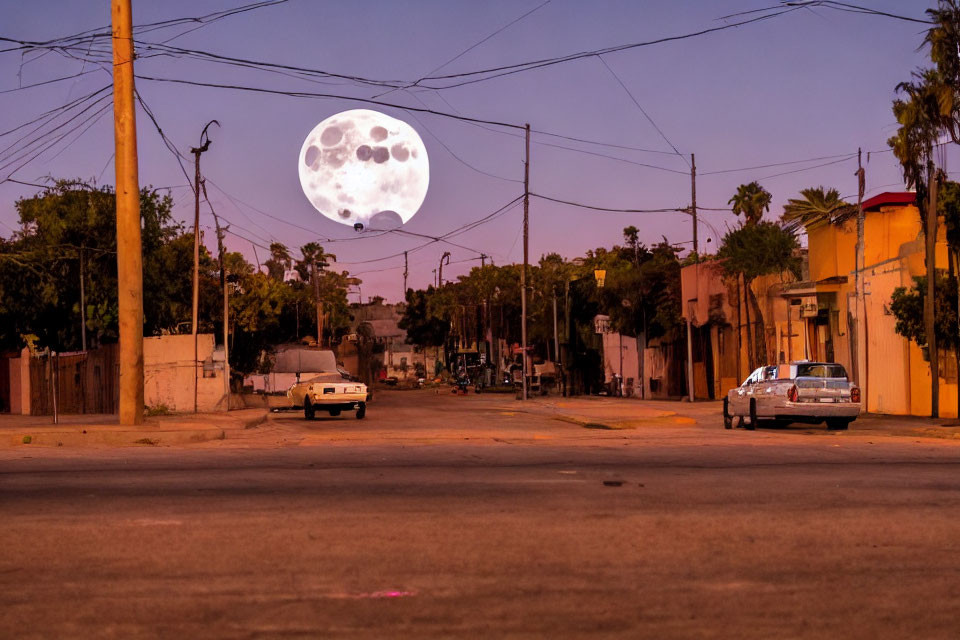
[820,370]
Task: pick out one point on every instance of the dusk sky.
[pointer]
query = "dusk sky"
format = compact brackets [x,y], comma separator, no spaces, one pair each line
[810,84]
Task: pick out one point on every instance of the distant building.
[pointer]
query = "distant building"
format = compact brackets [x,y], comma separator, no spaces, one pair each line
[395,358]
[721,325]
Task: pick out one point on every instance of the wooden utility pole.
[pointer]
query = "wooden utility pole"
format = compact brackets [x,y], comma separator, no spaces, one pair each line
[693,203]
[405,273]
[860,302]
[226,299]
[129,249]
[556,334]
[445,256]
[204,145]
[319,305]
[930,302]
[696,253]
[83,308]
[526,259]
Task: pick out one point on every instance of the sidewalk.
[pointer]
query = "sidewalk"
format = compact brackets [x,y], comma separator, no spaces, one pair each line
[99,429]
[629,413]
[606,413]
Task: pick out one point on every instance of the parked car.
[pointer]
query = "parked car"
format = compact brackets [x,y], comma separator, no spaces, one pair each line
[809,392]
[330,392]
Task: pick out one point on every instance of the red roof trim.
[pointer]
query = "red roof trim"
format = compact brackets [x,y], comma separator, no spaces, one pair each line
[888,198]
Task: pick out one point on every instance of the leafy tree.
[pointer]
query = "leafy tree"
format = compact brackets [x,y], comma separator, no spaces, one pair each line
[907,306]
[816,208]
[749,252]
[70,223]
[750,201]
[422,328]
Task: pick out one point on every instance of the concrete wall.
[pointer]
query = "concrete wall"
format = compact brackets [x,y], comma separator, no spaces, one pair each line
[628,368]
[169,373]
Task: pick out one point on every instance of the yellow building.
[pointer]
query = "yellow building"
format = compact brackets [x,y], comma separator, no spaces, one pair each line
[890,369]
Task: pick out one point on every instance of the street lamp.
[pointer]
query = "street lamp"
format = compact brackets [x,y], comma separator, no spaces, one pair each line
[600,275]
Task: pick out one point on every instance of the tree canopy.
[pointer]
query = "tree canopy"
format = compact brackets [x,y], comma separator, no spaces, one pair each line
[70,224]
[751,201]
[816,207]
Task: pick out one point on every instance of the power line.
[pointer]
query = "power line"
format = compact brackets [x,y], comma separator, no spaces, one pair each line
[452,153]
[63,45]
[575,149]
[816,166]
[51,81]
[777,164]
[104,32]
[308,94]
[481,75]
[560,136]
[640,107]
[471,47]
[449,234]
[612,210]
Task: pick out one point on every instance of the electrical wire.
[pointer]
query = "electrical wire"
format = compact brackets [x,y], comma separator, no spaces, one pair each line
[482,75]
[451,152]
[443,237]
[640,107]
[776,164]
[308,94]
[816,166]
[684,210]
[470,48]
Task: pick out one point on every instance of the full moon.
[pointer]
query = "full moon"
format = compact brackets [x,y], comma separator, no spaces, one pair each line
[360,166]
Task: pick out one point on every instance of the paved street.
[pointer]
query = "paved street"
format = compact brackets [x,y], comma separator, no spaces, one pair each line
[442,516]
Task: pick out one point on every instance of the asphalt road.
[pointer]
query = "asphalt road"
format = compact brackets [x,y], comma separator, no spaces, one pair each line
[464,517]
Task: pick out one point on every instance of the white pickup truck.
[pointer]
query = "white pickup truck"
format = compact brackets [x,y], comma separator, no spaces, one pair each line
[810,392]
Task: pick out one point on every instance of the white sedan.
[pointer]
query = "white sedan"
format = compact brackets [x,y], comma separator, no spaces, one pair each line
[329,392]
[810,392]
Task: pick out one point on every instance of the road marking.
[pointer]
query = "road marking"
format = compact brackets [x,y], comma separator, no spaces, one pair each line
[149,522]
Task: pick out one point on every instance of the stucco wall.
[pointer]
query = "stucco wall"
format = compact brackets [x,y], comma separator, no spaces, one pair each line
[169,373]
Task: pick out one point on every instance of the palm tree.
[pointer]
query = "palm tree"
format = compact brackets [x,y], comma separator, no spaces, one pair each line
[944,40]
[817,208]
[751,200]
[922,121]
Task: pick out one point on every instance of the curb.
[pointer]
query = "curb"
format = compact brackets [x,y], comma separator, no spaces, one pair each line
[113,435]
[94,437]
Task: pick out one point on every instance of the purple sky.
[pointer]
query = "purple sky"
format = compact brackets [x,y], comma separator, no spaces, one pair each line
[803,85]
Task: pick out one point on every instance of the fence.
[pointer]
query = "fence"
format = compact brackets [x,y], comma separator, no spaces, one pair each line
[78,382]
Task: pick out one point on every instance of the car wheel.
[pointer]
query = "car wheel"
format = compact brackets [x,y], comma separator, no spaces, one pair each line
[837,424]
[753,415]
[308,411]
[361,411]
[334,412]
[727,418]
